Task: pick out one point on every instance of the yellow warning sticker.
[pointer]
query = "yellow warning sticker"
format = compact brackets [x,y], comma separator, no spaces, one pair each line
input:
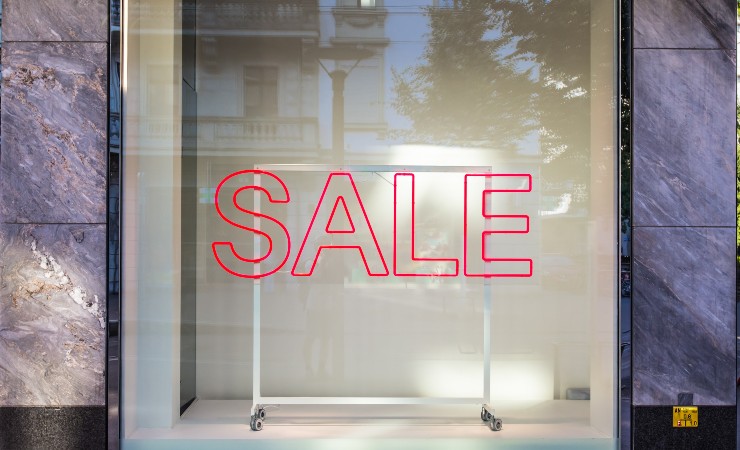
[685,416]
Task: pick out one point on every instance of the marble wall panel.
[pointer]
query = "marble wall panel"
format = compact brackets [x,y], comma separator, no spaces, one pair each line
[53,166]
[55,20]
[684,23]
[52,315]
[683,138]
[683,315]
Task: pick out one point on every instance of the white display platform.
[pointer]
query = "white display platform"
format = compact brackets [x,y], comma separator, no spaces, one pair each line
[223,420]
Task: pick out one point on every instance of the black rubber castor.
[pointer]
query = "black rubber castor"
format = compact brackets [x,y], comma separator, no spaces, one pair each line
[495,424]
[256,424]
[485,415]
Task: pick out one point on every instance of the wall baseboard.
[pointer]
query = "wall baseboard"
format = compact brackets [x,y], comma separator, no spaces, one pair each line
[652,427]
[57,428]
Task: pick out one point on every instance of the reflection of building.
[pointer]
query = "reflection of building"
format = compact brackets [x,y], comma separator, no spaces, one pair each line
[258,93]
[276,85]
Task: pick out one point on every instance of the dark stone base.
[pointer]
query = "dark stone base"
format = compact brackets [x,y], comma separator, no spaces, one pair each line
[652,428]
[57,428]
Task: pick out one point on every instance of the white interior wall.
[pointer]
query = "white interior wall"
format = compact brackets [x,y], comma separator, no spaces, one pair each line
[151,231]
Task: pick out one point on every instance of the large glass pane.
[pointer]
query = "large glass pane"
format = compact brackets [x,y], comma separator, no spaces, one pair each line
[417,200]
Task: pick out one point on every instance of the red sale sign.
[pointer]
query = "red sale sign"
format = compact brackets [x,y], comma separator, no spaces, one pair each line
[347,216]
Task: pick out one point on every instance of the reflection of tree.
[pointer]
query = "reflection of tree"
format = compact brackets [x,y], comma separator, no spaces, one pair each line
[495,70]
[469,90]
[555,35]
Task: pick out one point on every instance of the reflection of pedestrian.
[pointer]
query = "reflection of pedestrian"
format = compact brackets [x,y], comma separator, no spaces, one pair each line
[325,313]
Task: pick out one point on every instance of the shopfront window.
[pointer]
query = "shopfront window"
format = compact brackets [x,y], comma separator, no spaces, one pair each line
[371,218]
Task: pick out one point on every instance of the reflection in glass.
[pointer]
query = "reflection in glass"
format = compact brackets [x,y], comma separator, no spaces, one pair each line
[521,88]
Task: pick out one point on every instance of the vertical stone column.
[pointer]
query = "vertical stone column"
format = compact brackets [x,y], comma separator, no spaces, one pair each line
[683,312]
[53,224]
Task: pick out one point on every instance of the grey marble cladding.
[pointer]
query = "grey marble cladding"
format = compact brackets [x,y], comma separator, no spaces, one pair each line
[54,20]
[684,138]
[684,24]
[683,315]
[52,315]
[53,165]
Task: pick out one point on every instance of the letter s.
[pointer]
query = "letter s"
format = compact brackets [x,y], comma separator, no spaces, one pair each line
[224,252]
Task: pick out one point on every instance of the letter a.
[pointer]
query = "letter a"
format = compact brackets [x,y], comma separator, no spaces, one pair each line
[359,233]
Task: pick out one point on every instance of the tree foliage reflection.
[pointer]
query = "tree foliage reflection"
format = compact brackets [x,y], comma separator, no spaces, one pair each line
[496,73]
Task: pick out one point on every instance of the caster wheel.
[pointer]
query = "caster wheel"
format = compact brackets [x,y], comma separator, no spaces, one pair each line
[495,424]
[256,424]
[485,415]
[261,413]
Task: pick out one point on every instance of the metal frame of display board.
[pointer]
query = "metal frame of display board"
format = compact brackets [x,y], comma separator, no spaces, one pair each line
[259,402]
